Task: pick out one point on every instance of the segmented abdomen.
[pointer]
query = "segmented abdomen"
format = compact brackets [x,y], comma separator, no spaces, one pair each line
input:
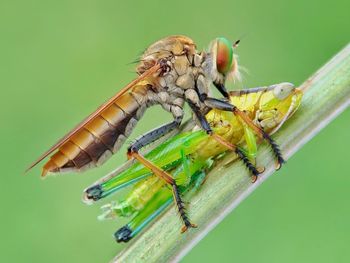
[97,140]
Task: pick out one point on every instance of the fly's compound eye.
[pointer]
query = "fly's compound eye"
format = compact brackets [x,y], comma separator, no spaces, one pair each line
[224,55]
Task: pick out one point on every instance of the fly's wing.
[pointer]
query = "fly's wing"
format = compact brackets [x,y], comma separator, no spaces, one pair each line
[102,133]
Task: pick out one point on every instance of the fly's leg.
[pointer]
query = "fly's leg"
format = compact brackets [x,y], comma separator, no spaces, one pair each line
[222,105]
[171,181]
[157,133]
[205,125]
[154,135]
[221,88]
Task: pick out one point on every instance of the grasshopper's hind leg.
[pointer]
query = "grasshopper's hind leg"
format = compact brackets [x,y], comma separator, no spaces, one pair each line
[145,140]
[171,181]
[254,171]
[163,198]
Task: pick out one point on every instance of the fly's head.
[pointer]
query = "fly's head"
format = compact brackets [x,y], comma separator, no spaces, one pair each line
[276,105]
[222,62]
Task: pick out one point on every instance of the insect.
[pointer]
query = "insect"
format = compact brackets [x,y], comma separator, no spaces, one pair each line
[170,72]
[189,156]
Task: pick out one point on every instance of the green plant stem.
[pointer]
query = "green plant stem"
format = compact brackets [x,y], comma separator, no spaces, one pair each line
[327,94]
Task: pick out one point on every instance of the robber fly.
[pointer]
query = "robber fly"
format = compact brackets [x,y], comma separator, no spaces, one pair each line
[188,156]
[170,72]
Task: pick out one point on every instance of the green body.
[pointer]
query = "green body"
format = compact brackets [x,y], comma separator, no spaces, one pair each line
[188,156]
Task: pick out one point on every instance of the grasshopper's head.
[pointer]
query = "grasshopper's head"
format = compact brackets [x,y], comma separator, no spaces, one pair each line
[269,107]
[223,60]
[276,105]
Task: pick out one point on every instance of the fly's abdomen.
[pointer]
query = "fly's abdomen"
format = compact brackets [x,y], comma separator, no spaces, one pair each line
[97,140]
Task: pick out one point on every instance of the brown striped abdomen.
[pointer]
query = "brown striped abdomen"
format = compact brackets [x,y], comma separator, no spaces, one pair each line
[101,137]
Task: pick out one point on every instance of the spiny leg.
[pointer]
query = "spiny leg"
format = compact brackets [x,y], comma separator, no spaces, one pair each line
[171,181]
[252,169]
[155,134]
[205,125]
[226,106]
[241,155]
[181,209]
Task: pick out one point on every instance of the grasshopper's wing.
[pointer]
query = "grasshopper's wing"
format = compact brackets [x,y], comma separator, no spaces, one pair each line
[102,133]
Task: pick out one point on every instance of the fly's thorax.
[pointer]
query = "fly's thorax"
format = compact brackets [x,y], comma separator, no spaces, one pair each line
[185,79]
[190,72]
[186,65]
[166,48]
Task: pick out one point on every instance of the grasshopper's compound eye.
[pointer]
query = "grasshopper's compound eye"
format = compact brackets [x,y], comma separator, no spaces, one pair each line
[224,55]
[283,90]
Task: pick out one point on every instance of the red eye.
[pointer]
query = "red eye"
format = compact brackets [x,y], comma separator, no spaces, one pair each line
[224,55]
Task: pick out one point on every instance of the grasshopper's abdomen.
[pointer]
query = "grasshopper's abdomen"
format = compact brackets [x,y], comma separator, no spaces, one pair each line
[136,200]
[98,139]
[143,192]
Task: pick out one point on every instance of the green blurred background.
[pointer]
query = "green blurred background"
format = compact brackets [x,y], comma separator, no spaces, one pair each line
[61,59]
